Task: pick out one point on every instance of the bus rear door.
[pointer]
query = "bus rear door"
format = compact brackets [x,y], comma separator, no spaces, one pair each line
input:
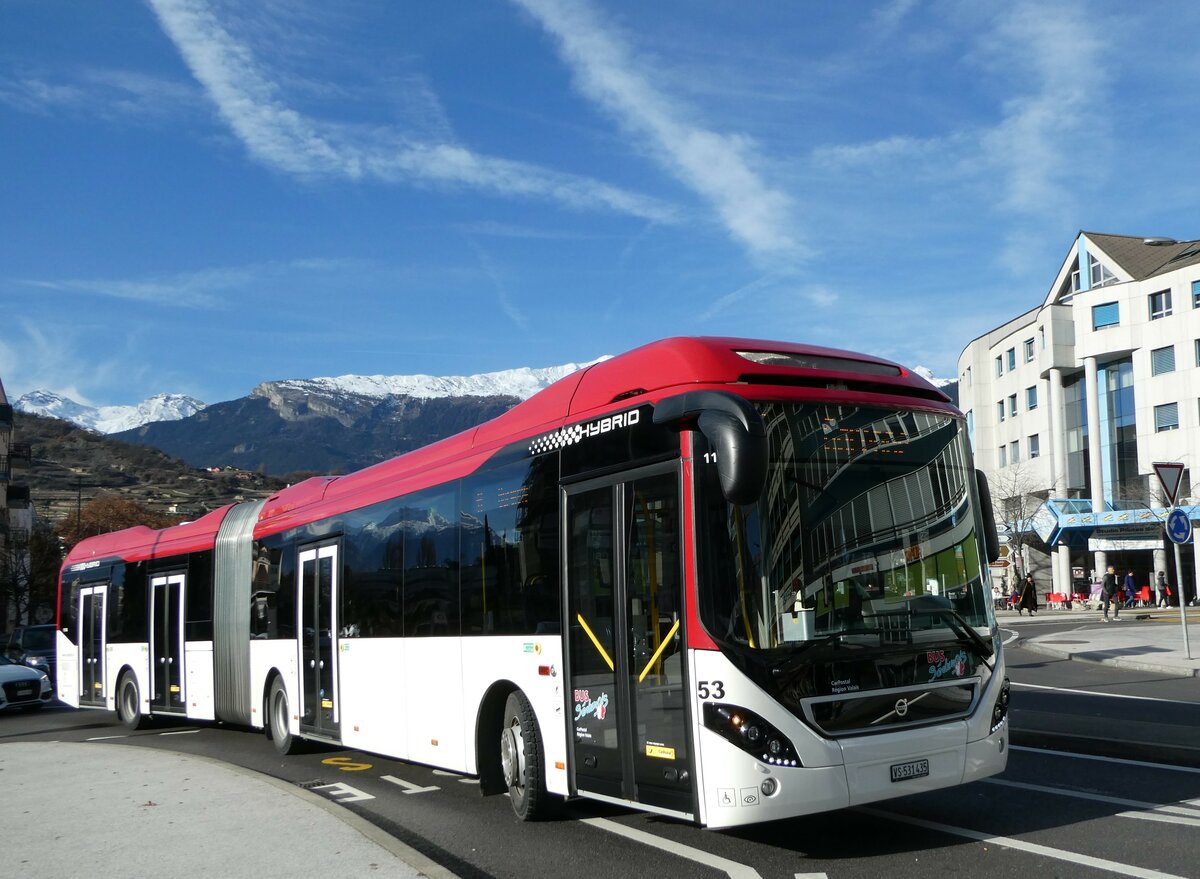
[316,629]
[91,645]
[629,715]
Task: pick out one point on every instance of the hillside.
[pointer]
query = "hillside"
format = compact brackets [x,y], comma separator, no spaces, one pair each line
[71,464]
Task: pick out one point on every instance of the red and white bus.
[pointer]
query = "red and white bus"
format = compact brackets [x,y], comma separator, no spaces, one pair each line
[719,579]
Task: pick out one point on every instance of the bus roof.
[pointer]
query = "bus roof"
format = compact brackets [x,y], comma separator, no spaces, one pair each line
[643,375]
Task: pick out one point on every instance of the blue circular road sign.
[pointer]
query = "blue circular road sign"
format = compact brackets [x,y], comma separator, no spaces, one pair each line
[1179,526]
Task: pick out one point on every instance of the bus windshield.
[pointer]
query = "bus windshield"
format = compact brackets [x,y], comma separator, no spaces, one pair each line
[865,533]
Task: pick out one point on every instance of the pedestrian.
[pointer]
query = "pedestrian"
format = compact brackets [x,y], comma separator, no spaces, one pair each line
[1130,590]
[1160,586]
[1109,587]
[1028,596]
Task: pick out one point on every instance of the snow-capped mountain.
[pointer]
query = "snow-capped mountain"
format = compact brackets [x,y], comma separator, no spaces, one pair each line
[109,419]
[928,375]
[522,383]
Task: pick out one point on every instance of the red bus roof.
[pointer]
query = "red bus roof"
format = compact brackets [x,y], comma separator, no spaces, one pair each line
[643,375]
[140,543]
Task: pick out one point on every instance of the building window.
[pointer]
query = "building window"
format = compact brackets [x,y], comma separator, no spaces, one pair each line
[1101,276]
[1106,315]
[1198,352]
[1166,417]
[1012,359]
[1031,397]
[999,367]
[1000,411]
[1035,446]
[1014,451]
[1195,294]
[1012,405]
[1162,360]
[1028,350]
[1003,456]
[1160,304]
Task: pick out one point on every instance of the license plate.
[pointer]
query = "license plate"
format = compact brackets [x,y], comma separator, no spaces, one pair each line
[24,692]
[911,769]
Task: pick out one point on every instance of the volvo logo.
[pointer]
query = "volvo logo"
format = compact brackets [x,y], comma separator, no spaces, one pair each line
[901,707]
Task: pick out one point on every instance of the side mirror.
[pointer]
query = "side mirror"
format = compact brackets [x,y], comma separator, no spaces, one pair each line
[991,539]
[736,432]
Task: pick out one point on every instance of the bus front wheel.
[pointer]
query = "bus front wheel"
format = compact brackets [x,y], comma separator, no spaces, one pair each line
[278,717]
[129,702]
[521,759]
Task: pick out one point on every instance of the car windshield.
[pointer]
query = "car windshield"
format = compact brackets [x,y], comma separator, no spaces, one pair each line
[39,638]
[866,530]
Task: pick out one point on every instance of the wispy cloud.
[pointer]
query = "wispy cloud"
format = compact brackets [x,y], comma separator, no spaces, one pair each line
[774,294]
[105,93]
[1055,57]
[510,309]
[279,136]
[719,167]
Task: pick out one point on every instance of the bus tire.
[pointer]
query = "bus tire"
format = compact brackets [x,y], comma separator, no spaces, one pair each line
[278,715]
[521,759]
[129,702]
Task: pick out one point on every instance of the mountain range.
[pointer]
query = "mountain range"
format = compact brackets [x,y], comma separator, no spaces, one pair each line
[322,425]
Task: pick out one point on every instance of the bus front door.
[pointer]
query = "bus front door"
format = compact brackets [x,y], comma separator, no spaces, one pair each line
[166,644]
[630,728]
[91,645]
[316,627]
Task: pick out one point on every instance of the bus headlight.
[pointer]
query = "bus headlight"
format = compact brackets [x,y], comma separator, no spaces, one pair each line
[1000,709]
[750,733]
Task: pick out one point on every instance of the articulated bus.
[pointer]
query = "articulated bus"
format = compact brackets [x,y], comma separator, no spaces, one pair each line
[723,580]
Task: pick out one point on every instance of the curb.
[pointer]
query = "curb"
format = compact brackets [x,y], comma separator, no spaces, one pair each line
[1098,657]
[406,853]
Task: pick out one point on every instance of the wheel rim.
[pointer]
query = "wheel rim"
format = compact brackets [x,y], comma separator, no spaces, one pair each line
[512,756]
[128,703]
[279,717]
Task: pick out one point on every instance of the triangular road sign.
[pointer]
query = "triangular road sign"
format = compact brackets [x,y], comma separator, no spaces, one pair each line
[1170,474]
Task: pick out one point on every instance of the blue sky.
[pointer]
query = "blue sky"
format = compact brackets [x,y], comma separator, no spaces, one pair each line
[199,195]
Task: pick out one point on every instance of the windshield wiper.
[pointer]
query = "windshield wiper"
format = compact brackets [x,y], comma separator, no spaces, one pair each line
[799,655]
[964,630]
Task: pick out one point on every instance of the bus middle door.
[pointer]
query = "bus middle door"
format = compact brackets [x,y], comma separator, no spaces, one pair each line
[629,722]
[316,629]
[166,644]
[92,640]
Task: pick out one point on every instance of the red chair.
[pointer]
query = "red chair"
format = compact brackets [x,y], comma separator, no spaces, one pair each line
[1056,599]
[1143,596]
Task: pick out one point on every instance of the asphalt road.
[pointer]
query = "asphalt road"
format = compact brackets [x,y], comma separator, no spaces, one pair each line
[1067,813]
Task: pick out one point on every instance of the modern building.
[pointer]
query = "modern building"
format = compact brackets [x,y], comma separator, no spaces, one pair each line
[16,515]
[1070,404]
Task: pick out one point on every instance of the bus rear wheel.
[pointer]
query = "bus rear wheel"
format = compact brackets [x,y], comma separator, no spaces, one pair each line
[279,715]
[521,760]
[129,702]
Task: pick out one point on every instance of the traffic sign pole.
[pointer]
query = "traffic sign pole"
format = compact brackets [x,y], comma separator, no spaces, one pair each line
[1170,474]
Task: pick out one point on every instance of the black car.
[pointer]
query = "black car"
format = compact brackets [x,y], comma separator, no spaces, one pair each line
[33,646]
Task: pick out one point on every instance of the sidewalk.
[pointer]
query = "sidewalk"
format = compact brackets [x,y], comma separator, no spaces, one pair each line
[104,810]
[1146,639]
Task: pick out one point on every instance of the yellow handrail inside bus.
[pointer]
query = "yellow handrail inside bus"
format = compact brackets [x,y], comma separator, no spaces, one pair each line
[600,647]
[658,652]
[739,525]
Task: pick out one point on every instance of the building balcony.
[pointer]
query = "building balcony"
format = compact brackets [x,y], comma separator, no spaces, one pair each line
[5,468]
[6,415]
[21,456]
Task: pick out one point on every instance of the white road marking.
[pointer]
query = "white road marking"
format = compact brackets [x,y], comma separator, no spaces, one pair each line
[181,732]
[1044,851]
[344,793]
[444,772]
[409,787]
[104,738]
[1164,819]
[1058,755]
[1106,695]
[1013,635]
[1099,798]
[468,781]
[732,869]
[812,876]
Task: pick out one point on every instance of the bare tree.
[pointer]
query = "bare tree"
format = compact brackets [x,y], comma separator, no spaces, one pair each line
[29,564]
[1018,493]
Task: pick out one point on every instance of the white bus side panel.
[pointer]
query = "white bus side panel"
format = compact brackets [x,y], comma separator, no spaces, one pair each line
[68,670]
[518,659]
[198,661]
[265,658]
[432,677]
[135,657]
[373,701]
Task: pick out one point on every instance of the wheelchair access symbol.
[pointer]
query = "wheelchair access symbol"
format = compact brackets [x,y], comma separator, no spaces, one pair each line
[1179,526]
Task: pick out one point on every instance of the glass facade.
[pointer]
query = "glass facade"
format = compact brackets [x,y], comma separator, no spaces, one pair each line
[1117,434]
